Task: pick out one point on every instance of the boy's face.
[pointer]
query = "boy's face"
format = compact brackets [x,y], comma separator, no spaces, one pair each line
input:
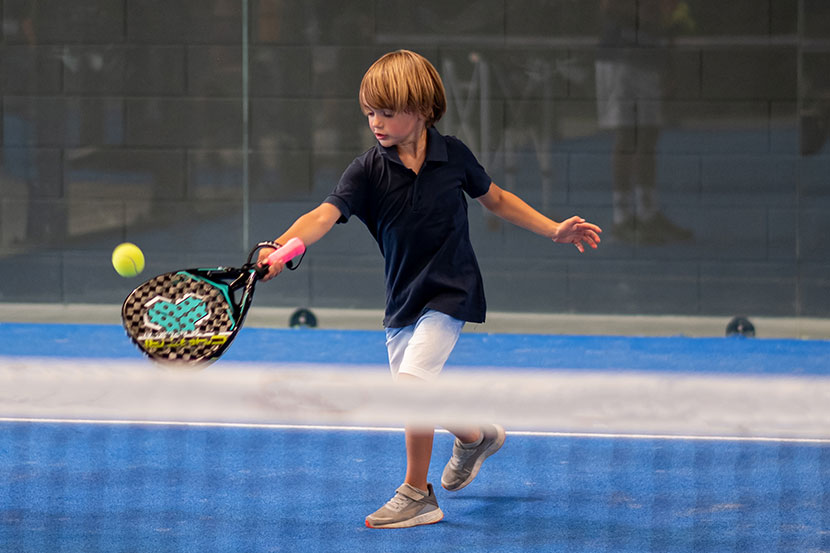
[393,128]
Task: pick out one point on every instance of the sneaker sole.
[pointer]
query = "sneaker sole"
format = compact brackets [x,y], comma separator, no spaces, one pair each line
[494,447]
[427,518]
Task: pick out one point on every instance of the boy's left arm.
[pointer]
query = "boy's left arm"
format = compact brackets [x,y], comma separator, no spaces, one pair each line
[511,208]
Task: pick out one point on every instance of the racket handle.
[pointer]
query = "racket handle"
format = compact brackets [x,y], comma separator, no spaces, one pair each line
[287,252]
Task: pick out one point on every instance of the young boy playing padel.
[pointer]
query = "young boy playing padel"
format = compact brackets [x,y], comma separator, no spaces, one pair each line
[409,190]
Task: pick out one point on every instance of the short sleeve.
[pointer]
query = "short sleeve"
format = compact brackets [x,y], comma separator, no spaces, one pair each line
[477,181]
[349,196]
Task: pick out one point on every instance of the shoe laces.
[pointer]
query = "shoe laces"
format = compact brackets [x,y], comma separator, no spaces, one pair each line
[398,502]
[460,456]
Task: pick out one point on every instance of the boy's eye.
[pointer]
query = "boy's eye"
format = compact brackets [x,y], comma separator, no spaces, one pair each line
[383,113]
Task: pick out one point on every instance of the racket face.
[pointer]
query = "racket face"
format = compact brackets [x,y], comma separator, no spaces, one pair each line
[182,317]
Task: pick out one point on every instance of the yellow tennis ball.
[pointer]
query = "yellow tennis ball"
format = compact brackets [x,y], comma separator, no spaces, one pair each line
[127,259]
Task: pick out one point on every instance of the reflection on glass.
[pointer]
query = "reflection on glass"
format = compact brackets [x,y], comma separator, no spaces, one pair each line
[633,78]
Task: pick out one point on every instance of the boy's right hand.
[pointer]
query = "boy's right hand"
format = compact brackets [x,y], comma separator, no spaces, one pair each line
[274,269]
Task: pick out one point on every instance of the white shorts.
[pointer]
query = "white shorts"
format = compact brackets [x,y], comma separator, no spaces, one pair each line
[422,349]
[628,95]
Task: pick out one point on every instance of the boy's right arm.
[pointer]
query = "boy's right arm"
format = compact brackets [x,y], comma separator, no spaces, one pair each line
[309,228]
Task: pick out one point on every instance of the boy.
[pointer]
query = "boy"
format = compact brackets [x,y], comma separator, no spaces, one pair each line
[409,192]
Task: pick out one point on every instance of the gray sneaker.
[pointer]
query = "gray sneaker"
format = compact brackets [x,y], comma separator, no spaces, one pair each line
[464,463]
[409,507]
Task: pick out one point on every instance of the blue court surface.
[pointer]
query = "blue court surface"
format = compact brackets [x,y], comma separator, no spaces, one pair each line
[78,487]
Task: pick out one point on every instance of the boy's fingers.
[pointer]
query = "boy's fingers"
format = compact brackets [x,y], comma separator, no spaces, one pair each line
[274,270]
[589,227]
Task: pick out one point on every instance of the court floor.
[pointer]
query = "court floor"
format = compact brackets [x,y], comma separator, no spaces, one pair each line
[72,486]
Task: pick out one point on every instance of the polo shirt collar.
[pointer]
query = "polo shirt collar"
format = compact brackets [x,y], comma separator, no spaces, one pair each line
[436,148]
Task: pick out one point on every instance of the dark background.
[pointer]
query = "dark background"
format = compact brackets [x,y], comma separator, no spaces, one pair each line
[123,120]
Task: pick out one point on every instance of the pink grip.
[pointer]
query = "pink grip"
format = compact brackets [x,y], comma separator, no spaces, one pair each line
[290,250]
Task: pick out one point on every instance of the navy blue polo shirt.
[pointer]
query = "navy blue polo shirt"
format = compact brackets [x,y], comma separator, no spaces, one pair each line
[420,224]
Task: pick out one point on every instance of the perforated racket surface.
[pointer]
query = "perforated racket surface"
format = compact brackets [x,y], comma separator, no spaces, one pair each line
[191,316]
[187,316]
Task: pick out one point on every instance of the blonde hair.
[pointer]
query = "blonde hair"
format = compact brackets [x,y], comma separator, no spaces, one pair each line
[403,81]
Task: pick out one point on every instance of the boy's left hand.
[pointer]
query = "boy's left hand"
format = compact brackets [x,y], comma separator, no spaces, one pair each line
[577,231]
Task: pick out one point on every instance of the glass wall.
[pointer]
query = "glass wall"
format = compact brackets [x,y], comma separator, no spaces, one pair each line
[694,132]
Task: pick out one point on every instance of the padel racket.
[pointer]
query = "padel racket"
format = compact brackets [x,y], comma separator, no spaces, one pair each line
[192,316]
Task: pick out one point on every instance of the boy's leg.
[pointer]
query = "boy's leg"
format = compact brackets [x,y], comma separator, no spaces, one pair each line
[419,441]
[417,354]
[466,435]
[414,502]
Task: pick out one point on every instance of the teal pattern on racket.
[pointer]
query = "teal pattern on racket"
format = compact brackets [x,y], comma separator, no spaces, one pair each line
[190,317]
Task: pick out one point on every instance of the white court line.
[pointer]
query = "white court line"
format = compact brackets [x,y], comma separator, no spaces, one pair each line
[340,428]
